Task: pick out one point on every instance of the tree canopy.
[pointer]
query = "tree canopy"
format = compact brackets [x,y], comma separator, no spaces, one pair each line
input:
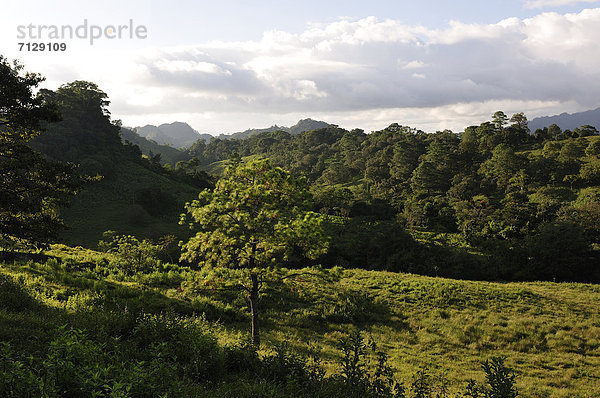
[256,217]
[31,187]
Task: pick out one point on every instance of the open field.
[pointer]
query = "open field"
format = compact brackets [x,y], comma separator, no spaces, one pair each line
[549,332]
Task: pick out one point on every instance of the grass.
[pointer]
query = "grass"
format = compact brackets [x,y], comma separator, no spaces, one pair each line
[549,332]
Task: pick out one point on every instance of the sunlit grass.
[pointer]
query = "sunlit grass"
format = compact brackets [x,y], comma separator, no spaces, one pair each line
[549,332]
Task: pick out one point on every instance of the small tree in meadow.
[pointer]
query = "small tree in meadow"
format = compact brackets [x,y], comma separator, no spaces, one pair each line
[256,217]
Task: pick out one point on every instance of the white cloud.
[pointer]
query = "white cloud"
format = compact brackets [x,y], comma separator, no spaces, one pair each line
[412,65]
[554,3]
[191,66]
[363,73]
[371,64]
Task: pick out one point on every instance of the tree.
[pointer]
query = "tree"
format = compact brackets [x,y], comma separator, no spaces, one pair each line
[560,250]
[502,166]
[593,149]
[31,187]
[499,120]
[554,130]
[585,131]
[256,217]
[519,120]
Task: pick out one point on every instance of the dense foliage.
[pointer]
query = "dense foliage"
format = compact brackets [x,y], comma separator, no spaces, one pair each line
[519,205]
[31,187]
[257,216]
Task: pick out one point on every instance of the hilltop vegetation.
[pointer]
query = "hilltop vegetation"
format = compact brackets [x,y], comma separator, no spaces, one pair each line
[515,205]
[150,148]
[132,194]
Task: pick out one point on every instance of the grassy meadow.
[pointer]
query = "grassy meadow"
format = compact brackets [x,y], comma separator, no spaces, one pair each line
[548,332]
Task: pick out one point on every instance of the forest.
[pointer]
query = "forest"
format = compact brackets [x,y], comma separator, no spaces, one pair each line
[325,263]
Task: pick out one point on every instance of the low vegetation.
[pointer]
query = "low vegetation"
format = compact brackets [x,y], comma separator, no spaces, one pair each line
[80,322]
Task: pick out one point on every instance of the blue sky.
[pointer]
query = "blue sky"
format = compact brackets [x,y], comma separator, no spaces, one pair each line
[229,65]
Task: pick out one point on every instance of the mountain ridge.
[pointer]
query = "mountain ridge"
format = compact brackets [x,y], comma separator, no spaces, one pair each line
[181,135]
[177,134]
[567,121]
[301,126]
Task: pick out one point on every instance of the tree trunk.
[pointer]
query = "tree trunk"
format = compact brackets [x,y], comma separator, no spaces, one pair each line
[253,300]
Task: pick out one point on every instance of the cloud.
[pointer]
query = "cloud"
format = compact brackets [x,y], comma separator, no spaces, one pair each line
[554,3]
[367,64]
[377,70]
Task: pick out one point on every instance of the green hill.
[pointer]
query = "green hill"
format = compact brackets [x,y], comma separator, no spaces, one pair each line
[135,194]
[134,201]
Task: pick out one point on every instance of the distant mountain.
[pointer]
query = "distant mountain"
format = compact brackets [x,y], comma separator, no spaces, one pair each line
[567,120]
[308,125]
[182,135]
[177,134]
[300,127]
[167,153]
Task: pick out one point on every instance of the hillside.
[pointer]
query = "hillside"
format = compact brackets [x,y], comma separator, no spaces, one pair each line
[548,331]
[134,195]
[134,200]
[567,121]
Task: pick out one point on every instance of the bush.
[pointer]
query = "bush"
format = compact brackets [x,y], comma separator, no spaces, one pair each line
[132,255]
[16,378]
[182,342]
[500,381]
[154,200]
[13,297]
[354,307]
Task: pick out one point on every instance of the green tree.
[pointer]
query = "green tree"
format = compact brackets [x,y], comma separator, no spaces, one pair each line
[502,166]
[585,131]
[256,217]
[593,149]
[499,120]
[590,172]
[31,187]
[519,120]
[560,250]
[554,130]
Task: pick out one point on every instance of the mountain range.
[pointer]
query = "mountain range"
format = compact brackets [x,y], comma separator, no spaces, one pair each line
[176,134]
[568,121]
[182,135]
[300,127]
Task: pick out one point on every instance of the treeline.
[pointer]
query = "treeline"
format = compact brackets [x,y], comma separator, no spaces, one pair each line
[493,202]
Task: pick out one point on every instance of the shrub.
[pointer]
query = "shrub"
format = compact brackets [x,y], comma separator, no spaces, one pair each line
[16,379]
[132,254]
[499,378]
[183,342]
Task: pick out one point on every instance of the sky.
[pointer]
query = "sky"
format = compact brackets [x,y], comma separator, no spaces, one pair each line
[230,65]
